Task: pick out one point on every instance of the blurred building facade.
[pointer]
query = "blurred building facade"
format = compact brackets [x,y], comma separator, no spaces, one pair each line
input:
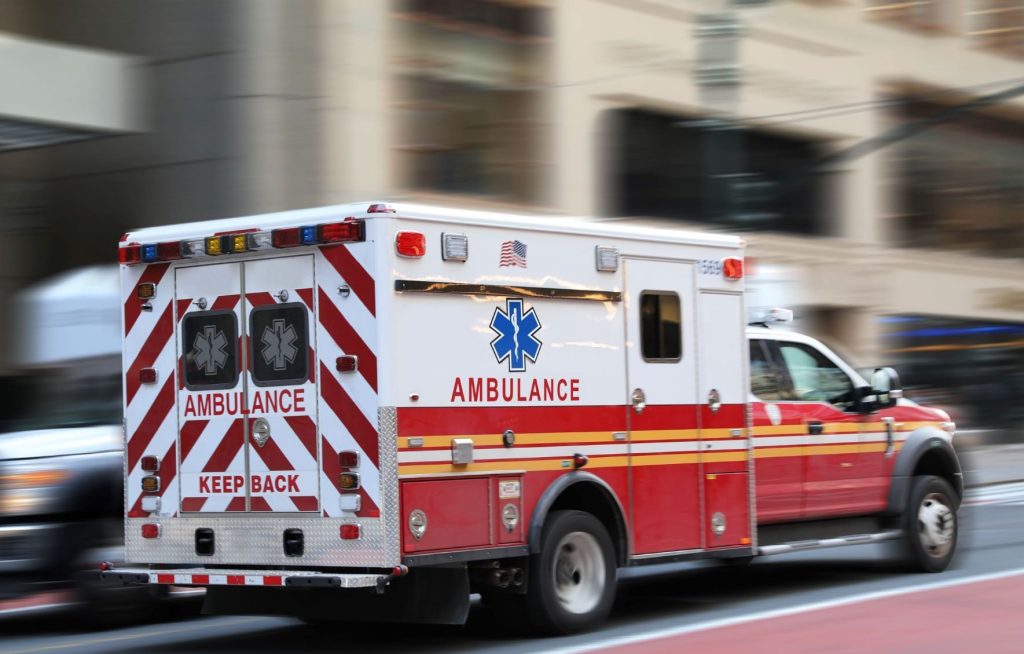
[590,107]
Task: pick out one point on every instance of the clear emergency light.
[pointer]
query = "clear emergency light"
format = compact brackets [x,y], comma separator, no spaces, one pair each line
[350,230]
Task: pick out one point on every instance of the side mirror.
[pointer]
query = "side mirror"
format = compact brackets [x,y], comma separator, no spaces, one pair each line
[885,384]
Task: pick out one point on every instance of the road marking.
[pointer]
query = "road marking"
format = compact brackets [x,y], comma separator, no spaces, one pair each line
[133,636]
[1012,493]
[778,613]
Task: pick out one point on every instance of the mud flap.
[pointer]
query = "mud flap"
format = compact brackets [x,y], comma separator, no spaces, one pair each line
[434,595]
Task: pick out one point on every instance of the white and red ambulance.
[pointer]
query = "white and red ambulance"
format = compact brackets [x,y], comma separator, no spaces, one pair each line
[368,412]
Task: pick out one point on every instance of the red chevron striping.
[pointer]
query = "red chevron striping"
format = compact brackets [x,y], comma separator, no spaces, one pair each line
[225,302]
[149,352]
[272,455]
[190,433]
[257,503]
[353,273]
[307,296]
[133,305]
[349,414]
[332,469]
[347,339]
[260,299]
[151,422]
[305,430]
[183,307]
[305,502]
[312,365]
[226,450]
[193,503]
[236,504]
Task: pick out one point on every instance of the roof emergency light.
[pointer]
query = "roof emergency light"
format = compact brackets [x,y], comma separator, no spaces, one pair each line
[349,230]
[129,254]
[149,254]
[732,268]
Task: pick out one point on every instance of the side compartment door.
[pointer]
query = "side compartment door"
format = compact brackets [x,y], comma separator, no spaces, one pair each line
[283,448]
[662,397]
[211,394]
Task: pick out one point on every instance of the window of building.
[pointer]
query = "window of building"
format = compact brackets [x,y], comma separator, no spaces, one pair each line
[280,352]
[661,334]
[210,344]
[815,378]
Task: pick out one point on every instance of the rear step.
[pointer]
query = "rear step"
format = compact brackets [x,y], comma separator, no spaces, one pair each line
[801,545]
[293,578]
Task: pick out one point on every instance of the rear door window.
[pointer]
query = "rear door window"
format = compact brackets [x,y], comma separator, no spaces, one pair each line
[210,346]
[280,351]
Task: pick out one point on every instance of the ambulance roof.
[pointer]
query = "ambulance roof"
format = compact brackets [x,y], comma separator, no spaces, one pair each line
[621,229]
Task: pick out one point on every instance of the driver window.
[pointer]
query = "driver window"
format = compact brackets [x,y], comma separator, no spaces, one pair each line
[815,378]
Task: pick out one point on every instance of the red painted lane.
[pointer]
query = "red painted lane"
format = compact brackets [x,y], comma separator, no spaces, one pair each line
[982,616]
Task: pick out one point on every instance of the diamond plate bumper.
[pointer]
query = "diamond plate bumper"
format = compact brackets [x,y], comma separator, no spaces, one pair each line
[201,577]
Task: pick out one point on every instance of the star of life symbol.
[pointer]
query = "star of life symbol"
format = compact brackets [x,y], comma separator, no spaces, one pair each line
[515,329]
[209,352]
[279,344]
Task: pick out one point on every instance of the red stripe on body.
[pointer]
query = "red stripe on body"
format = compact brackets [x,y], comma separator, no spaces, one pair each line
[353,273]
[189,504]
[367,507]
[225,302]
[200,579]
[236,504]
[348,339]
[305,502]
[190,433]
[272,455]
[165,579]
[183,307]
[149,352]
[307,296]
[257,503]
[236,580]
[133,305]
[305,430]
[349,414]
[226,450]
[260,299]
[273,581]
[443,421]
[144,433]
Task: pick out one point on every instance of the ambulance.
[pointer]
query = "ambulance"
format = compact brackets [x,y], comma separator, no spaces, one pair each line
[373,411]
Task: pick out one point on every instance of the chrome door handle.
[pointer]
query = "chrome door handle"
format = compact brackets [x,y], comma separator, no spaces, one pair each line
[260,431]
[639,400]
[890,427]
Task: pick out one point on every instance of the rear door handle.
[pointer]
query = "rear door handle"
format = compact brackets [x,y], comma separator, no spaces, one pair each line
[815,427]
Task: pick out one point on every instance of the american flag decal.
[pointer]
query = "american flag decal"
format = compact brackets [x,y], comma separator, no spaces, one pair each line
[513,254]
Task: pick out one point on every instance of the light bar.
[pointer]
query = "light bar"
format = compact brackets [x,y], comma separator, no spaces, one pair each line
[350,230]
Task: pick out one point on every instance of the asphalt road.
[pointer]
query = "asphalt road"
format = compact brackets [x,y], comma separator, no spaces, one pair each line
[991,541]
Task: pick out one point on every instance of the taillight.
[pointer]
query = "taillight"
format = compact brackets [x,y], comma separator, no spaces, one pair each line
[410,244]
[349,532]
[129,254]
[348,459]
[150,463]
[347,363]
[147,376]
[150,530]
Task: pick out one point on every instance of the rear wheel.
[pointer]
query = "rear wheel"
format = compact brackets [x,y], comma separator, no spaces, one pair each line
[571,583]
[930,525]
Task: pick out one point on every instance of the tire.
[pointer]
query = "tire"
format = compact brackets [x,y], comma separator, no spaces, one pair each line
[571,583]
[930,524]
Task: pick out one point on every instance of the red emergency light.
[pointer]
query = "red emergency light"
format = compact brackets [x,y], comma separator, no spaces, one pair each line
[150,530]
[410,244]
[129,254]
[732,268]
[348,231]
[349,532]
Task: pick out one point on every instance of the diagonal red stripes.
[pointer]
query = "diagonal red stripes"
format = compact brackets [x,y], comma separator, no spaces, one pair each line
[257,503]
[149,352]
[226,450]
[305,430]
[168,469]
[347,339]
[272,455]
[338,400]
[193,503]
[307,296]
[260,299]
[133,305]
[225,302]
[353,273]
[190,433]
[183,307]
[147,428]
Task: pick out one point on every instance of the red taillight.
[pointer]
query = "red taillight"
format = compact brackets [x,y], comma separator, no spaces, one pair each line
[129,254]
[348,231]
[150,464]
[286,238]
[347,363]
[732,268]
[150,530]
[410,244]
[349,532]
[380,208]
[147,376]
[348,459]
[169,250]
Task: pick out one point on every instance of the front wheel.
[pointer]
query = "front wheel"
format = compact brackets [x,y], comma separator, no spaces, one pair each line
[930,525]
[571,583]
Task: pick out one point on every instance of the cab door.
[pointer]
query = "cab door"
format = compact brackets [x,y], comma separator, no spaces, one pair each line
[283,445]
[662,395]
[211,394]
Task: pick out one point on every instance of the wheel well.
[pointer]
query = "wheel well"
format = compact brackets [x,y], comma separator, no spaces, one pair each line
[592,499]
[934,463]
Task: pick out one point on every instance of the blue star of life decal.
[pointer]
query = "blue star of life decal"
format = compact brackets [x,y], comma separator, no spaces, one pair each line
[515,329]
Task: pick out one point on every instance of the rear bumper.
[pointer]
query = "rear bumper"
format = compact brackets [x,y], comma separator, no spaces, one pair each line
[271,578]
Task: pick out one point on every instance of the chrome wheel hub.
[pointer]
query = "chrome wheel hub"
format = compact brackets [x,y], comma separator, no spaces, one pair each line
[936,524]
[579,572]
